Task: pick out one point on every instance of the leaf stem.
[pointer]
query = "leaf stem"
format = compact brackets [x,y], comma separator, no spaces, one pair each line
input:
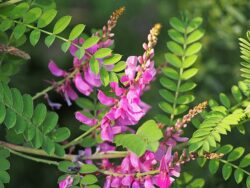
[46,90]
[32,151]
[179,80]
[235,166]
[79,138]
[49,162]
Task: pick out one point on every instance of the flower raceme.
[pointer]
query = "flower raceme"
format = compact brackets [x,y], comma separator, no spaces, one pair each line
[80,75]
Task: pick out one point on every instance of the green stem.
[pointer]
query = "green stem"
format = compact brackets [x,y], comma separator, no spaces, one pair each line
[46,90]
[139,174]
[79,138]
[49,162]
[10,2]
[235,166]
[179,80]
[32,151]
[39,152]
[239,104]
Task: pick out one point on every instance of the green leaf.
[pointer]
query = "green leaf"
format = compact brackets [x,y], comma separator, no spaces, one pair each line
[120,66]
[195,36]
[49,40]
[102,52]
[46,18]
[19,10]
[194,24]
[197,183]
[185,99]
[189,61]
[94,65]
[226,171]
[189,73]
[173,60]
[225,149]
[133,142]
[2,113]
[61,134]
[38,139]
[150,131]
[175,48]
[27,106]
[4,177]
[39,114]
[171,73]
[213,166]
[50,122]
[177,24]
[21,125]
[4,153]
[236,93]
[104,77]
[235,154]
[166,107]
[245,162]
[238,175]
[48,146]
[80,53]
[61,24]
[65,165]
[88,168]
[90,42]
[176,36]
[5,25]
[17,100]
[193,49]
[5,164]
[32,15]
[88,179]
[19,31]
[10,119]
[225,100]
[248,182]
[34,37]
[76,31]
[112,60]
[187,86]
[168,96]
[65,46]
[167,83]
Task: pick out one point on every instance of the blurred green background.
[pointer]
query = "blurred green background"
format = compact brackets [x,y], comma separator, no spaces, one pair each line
[224,22]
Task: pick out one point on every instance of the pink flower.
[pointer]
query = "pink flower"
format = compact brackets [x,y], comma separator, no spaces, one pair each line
[84,119]
[55,70]
[167,169]
[131,67]
[66,183]
[108,101]
[81,85]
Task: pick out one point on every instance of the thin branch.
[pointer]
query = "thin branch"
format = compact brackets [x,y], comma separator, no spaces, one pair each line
[79,138]
[49,162]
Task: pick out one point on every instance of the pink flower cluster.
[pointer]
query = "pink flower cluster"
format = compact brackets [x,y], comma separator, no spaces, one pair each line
[127,108]
[81,75]
[131,172]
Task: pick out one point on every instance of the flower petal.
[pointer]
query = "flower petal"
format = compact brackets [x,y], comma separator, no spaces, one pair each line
[55,70]
[108,101]
[81,85]
[84,119]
